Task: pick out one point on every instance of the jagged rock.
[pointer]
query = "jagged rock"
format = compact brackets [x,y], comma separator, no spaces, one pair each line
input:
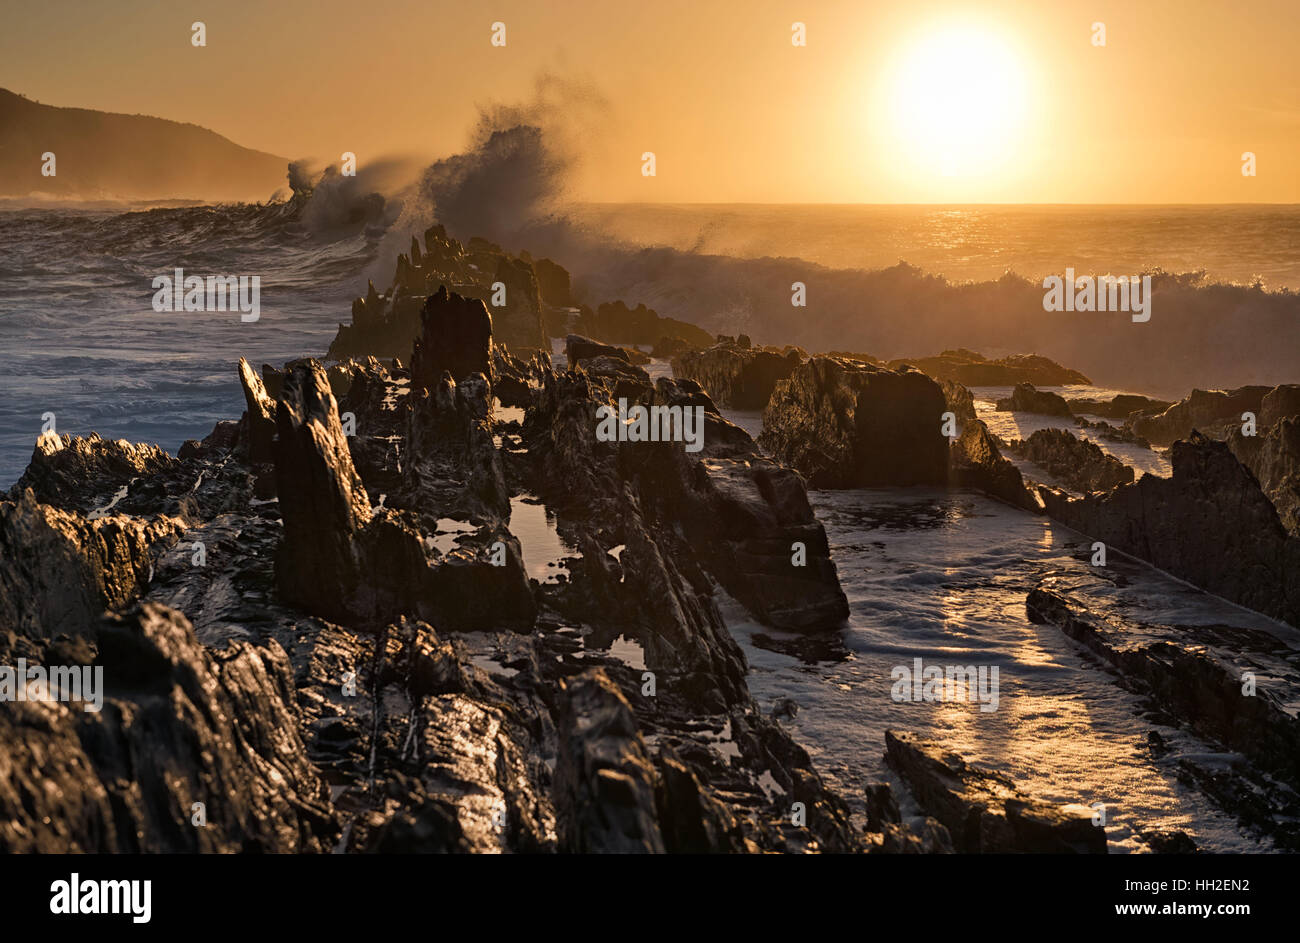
[1281,402]
[692,820]
[971,369]
[747,515]
[1081,464]
[513,379]
[845,424]
[738,376]
[982,810]
[1209,524]
[622,379]
[1112,433]
[1273,452]
[959,399]
[1025,399]
[59,571]
[82,474]
[260,414]
[178,727]
[518,323]
[385,324]
[322,500]
[455,337]
[978,463]
[1212,411]
[604,780]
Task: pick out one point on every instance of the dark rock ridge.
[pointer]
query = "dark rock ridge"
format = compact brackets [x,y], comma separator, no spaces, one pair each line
[738,377]
[615,323]
[1211,412]
[385,325]
[846,424]
[1026,399]
[971,369]
[977,462]
[179,725]
[86,473]
[959,399]
[1196,674]
[1273,453]
[982,810]
[1082,465]
[1209,523]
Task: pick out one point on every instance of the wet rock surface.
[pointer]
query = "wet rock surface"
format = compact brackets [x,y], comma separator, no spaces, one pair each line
[982,811]
[1210,412]
[1233,685]
[737,377]
[1082,465]
[1026,399]
[977,462]
[845,423]
[1210,524]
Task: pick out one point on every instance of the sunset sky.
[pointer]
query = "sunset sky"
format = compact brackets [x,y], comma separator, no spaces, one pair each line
[889,102]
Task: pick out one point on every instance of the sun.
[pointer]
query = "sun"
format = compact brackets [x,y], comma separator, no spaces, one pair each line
[958,101]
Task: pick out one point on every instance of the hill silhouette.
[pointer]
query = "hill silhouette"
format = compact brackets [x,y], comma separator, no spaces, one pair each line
[102,155]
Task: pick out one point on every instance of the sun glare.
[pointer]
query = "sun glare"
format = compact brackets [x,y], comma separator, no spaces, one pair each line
[959,101]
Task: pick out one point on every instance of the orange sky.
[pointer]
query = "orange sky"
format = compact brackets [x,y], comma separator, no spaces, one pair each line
[733,111]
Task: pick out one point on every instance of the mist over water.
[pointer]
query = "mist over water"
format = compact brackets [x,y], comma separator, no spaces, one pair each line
[80,338]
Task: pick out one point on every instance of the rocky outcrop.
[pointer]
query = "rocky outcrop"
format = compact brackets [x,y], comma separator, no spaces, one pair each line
[971,369]
[191,752]
[748,515]
[455,337]
[385,325]
[60,571]
[959,399]
[1212,412]
[1194,672]
[982,810]
[1273,452]
[578,348]
[1025,399]
[1121,406]
[84,474]
[978,463]
[737,377]
[604,780]
[1081,464]
[1209,524]
[846,424]
[259,418]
